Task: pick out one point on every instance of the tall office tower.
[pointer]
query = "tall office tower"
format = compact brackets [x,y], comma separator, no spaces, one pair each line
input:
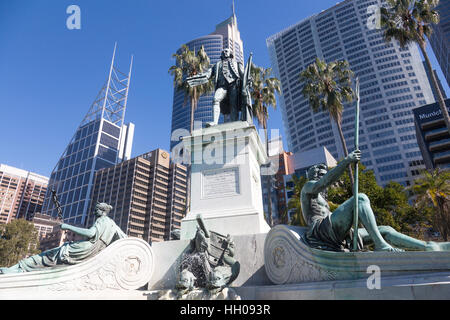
[177,195]
[225,36]
[101,140]
[281,159]
[433,136]
[147,193]
[440,38]
[279,199]
[392,82]
[21,193]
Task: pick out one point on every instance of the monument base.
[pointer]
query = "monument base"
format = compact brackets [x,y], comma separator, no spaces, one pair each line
[235,222]
[430,286]
[121,271]
[196,294]
[226,180]
[289,260]
[249,251]
[117,271]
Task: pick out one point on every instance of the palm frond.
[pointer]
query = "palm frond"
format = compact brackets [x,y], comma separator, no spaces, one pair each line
[264,87]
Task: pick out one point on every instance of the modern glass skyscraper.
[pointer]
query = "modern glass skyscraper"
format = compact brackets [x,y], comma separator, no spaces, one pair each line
[440,38]
[392,82]
[226,35]
[100,141]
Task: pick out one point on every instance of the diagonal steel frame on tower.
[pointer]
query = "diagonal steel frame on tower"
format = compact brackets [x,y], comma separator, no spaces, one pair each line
[110,104]
[112,99]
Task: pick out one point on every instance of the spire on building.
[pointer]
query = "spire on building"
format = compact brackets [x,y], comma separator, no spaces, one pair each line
[111,101]
[101,140]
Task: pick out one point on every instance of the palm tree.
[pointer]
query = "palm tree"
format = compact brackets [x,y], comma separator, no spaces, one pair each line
[327,86]
[433,188]
[410,21]
[263,89]
[294,201]
[189,64]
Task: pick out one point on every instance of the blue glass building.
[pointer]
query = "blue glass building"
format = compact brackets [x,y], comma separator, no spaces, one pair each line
[100,141]
[226,35]
[440,38]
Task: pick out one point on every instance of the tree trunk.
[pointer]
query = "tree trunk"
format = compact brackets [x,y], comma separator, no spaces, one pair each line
[192,114]
[344,146]
[443,222]
[434,82]
[268,182]
[188,165]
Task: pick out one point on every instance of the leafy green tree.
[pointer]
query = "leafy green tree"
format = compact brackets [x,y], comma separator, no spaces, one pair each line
[327,86]
[263,88]
[409,21]
[18,240]
[389,204]
[433,190]
[188,64]
[294,202]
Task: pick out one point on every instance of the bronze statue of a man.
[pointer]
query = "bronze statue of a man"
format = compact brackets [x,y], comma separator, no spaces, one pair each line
[231,94]
[333,230]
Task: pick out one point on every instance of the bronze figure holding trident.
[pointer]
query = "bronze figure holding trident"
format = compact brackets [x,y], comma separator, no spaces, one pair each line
[334,231]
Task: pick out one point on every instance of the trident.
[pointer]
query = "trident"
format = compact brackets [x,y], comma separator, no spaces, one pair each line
[355,186]
[57,204]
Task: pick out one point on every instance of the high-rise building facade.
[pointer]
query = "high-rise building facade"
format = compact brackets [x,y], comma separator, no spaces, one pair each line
[50,233]
[177,195]
[392,82]
[440,38]
[279,199]
[282,163]
[44,224]
[21,193]
[432,135]
[101,140]
[148,195]
[225,36]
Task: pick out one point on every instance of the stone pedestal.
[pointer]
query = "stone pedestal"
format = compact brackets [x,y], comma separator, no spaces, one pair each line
[289,260]
[249,251]
[226,180]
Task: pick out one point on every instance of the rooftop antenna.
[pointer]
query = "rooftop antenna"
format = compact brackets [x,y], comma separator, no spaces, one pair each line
[232,28]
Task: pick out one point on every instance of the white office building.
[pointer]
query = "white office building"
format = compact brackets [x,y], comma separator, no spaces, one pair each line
[392,83]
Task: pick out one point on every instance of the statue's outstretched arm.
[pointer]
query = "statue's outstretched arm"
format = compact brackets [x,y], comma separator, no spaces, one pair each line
[200,78]
[88,233]
[333,175]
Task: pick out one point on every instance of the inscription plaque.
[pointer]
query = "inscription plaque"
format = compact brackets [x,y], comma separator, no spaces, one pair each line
[220,183]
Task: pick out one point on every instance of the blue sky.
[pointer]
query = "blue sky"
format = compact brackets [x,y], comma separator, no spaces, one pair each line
[50,75]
